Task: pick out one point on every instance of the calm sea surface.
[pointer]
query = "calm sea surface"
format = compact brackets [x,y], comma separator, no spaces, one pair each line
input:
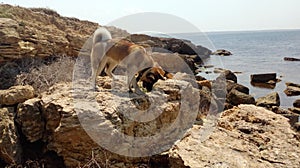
[255,52]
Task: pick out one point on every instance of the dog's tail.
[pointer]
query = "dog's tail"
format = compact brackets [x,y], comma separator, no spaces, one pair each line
[101,35]
[100,38]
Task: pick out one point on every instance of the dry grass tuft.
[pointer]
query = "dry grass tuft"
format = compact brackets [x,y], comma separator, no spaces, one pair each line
[45,75]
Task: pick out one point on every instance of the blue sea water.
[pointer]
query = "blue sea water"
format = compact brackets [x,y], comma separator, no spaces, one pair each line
[255,52]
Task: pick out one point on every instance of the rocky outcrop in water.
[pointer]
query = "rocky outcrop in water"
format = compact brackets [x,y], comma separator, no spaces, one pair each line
[263,78]
[292,89]
[291,59]
[269,100]
[297,103]
[221,52]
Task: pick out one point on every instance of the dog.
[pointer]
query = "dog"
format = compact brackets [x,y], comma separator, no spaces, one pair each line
[107,53]
[150,76]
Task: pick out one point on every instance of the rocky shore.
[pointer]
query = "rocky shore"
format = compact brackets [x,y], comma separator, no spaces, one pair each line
[218,123]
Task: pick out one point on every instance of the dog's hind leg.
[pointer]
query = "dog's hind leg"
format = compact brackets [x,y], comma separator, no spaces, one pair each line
[111,66]
[98,61]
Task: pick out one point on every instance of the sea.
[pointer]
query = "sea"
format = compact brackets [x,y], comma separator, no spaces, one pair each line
[254,52]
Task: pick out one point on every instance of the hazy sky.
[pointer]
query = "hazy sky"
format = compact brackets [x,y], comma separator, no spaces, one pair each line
[207,15]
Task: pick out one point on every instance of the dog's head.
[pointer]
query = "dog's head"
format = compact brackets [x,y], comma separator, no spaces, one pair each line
[150,76]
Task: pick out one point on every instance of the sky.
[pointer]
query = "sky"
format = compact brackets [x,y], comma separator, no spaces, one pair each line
[206,15]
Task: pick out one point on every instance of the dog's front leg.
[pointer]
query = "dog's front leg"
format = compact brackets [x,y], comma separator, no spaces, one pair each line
[133,84]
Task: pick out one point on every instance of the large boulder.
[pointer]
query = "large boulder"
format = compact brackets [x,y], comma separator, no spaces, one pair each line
[56,118]
[10,149]
[230,76]
[30,120]
[292,89]
[16,94]
[236,97]
[246,136]
[269,100]
[227,74]
[184,63]
[232,85]
[263,78]
[172,45]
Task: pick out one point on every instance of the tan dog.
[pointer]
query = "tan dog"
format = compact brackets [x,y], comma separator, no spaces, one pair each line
[107,54]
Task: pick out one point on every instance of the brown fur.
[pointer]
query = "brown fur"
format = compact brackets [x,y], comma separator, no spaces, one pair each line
[112,52]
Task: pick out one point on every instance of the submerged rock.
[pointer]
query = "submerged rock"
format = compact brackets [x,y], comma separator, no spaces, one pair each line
[222,52]
[291,59]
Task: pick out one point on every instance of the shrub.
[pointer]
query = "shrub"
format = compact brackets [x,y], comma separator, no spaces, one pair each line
[43,75]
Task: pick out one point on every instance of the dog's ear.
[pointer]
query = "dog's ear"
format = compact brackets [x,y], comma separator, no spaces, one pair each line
[160,72]
[168,75]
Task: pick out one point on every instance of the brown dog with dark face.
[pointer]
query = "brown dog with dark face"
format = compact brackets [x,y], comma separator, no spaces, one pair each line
[107,53]
[150,76]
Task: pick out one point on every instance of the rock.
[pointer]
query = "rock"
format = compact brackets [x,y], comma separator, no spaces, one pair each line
[16,94]
[222,52]
[206,83]
[10,150]
[232,85]
[263,78]
[295,110]
[293,117]
[269,100]
[297,103]
[297,126]
[291,59]
[245,136]
[292,89]
[227,74]
[173,45]
[184,63]
[200,78]
[54,118]
[235,97]
[8,31]
[292,84]
[230,76]
[43,33]
[268,85]
[30,120]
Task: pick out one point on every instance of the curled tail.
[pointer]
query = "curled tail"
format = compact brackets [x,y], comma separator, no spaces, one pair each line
[100,37]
